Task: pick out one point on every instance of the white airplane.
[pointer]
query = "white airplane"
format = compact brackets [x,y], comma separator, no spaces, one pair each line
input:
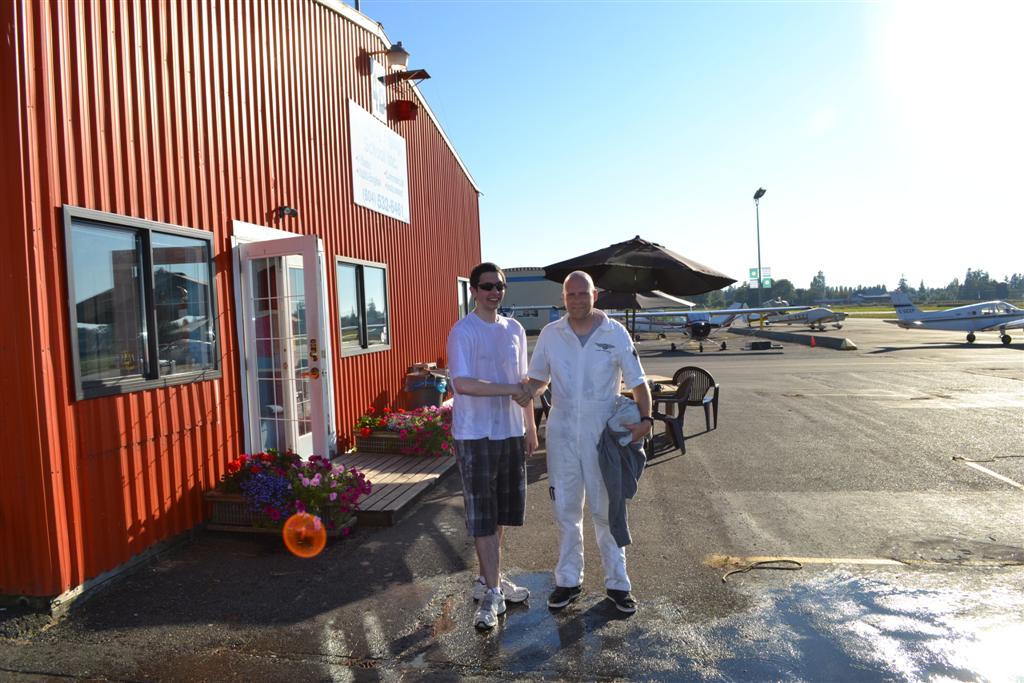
[989,315]
[698,325]
[814,318]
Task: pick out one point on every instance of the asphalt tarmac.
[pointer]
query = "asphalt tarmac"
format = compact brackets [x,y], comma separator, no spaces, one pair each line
[894,475]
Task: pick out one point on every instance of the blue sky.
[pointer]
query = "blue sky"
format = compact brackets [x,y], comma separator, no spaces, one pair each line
[888,134]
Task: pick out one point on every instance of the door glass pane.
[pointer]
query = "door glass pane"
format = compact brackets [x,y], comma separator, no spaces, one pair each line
[181,288]
[376,306]
[109,316]
[282,354]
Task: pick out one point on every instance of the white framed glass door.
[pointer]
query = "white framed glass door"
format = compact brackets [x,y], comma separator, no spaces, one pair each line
[287,346]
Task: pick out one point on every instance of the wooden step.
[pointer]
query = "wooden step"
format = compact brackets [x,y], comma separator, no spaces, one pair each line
[398,482]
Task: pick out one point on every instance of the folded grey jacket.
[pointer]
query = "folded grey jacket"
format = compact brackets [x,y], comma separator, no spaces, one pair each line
[621,467]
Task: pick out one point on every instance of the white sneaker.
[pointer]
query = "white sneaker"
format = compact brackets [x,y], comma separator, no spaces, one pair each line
[513,593]
[491,606]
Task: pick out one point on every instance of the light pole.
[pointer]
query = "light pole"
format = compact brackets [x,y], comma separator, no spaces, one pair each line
[757,212]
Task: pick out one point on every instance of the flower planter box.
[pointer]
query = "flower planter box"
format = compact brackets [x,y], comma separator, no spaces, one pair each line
[380,441]
[231,512]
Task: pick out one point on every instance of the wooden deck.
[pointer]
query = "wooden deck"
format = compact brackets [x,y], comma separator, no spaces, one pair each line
[398,482]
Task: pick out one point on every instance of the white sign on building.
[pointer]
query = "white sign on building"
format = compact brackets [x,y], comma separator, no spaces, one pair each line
[380,178]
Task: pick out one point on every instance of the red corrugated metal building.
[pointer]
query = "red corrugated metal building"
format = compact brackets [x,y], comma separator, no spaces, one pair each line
[218,237]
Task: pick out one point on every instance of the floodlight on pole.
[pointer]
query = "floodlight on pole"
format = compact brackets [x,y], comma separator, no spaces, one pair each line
[757,214]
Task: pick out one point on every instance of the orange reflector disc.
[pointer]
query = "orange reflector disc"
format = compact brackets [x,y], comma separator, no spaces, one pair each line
[304,535]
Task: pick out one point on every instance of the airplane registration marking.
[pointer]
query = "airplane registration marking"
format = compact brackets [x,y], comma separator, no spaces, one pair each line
[998,476]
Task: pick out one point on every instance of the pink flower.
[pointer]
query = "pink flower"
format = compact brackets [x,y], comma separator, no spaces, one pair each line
[334,496]
[444,446]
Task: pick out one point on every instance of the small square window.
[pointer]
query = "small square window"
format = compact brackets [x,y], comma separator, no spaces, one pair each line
[363,306]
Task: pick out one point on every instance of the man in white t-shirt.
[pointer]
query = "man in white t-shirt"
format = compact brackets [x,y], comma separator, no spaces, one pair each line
[585,356]
[493,432]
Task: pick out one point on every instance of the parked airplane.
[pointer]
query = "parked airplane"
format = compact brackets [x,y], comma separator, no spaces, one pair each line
[871,298]
[989,315]
[813,318]
[698,325]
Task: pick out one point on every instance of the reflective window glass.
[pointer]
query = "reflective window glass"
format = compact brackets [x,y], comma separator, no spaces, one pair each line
[181,296]
[109,316]
[143,312]
[363,307]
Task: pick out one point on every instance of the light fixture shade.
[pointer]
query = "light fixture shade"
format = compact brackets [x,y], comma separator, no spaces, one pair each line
[760,193]
[398,57]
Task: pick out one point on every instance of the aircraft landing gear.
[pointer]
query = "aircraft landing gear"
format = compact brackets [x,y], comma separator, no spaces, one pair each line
[700,346]
[723,346]
[970,337]
[1006,339]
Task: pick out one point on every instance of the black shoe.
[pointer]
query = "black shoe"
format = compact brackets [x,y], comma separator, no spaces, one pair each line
[562,596]
[624,602]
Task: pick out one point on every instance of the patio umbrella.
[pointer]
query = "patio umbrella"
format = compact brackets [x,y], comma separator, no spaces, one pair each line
[641,266]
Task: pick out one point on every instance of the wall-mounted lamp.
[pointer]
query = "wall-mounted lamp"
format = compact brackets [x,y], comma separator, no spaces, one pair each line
[397,56]
[287,211]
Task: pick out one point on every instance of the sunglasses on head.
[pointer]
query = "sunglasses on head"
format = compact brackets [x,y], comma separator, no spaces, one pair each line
[488,286]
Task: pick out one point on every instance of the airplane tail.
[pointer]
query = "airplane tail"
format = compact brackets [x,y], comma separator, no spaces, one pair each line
[905,308]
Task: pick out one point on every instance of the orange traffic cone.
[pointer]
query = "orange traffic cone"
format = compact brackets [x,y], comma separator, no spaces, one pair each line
[813,343]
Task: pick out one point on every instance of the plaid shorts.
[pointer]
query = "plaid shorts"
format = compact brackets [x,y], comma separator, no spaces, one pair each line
[493,483]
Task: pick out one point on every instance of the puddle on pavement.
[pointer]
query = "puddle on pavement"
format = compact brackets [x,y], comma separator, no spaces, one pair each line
[831,625]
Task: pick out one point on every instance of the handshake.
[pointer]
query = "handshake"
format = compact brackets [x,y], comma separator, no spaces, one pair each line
[524,395]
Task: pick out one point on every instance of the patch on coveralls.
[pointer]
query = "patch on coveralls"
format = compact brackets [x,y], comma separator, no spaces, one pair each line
[605,347]
[551,492]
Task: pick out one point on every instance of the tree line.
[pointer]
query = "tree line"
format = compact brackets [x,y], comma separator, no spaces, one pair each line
[977,285]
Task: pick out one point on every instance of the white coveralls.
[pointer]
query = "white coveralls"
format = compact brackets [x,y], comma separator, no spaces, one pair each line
[584,383]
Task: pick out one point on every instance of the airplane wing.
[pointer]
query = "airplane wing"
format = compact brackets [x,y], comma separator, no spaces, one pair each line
[720,311]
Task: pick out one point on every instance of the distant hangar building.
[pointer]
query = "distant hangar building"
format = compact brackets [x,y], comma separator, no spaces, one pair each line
[531,298]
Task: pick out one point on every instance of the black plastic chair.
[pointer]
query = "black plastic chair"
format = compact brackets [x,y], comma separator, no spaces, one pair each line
[703,392]
[673,419]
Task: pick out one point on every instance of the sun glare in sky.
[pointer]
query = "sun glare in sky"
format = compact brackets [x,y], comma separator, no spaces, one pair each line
[888,133]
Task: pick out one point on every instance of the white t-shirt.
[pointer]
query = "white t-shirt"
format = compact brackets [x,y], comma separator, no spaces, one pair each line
[493,352]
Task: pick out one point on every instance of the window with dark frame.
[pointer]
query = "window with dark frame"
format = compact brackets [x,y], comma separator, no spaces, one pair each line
[141,303]
[464,297]
[363,306]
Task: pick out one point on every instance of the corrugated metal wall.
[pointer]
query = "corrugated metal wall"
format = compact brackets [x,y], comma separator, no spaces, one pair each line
[193,114]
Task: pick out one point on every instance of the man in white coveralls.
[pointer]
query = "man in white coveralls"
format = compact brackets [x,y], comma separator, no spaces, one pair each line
[585,355]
